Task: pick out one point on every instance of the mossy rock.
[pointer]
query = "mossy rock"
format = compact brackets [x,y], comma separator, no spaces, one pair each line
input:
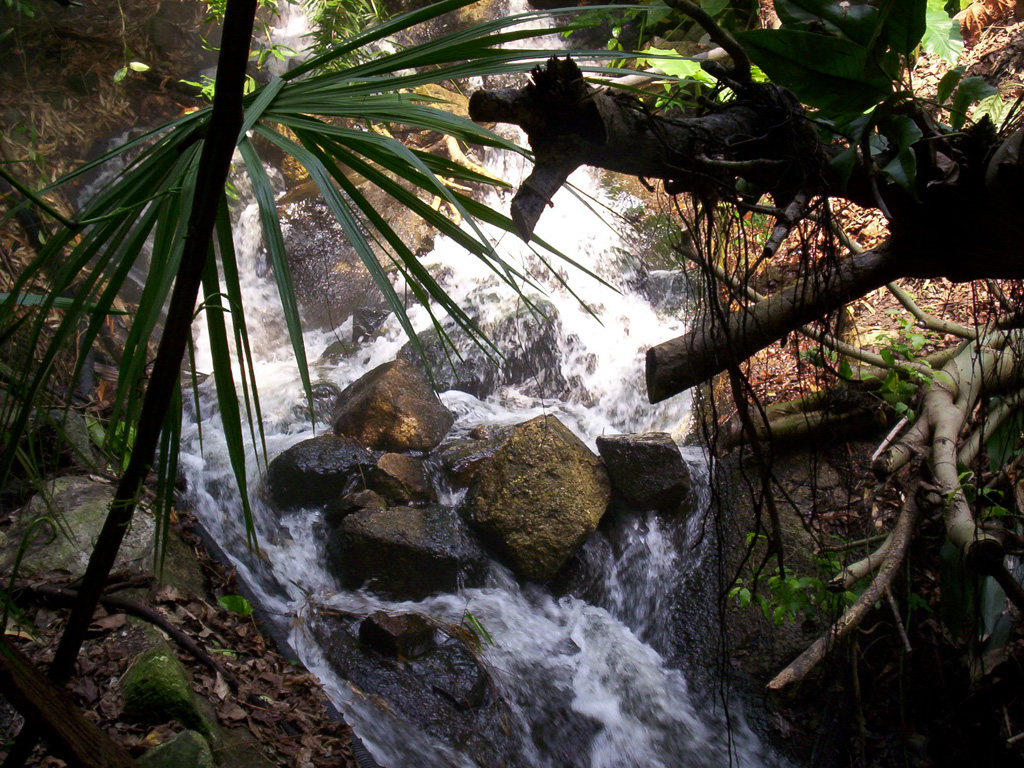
[188,749]
[157,690]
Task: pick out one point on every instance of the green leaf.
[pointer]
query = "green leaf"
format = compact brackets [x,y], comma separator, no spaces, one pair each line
[902,24]
[830,73]
[994,107]
[902,133]
[948,82]
[942,36]
[120,74]
[138,66]
[971,90]
[854,21]
[235,604]
[671,63]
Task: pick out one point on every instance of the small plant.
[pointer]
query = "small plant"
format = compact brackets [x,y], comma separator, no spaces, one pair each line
[236,604]
[787,597]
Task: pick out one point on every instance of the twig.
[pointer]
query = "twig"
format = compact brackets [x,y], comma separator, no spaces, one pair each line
[847,545]
[46,593]
[899,620]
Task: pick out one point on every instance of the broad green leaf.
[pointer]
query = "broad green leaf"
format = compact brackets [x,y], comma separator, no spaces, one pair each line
[855,21]
[948,82]
[901,25]
[830,73]
[235,604]
[671,63]
[138,66]
[942,36]
[972,89]
[844,164]
[994,107]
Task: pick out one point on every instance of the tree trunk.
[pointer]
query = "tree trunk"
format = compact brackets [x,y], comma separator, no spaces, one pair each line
[712,346]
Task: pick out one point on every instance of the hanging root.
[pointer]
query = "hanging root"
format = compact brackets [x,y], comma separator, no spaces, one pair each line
[851,619]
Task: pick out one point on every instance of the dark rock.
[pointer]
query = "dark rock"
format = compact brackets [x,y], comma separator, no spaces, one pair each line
[454,672]
[316,471]
[331,281]
[538,498]
[325,395]
[646,470]
[406,553]
[425,693]
[392,408]
[462,458]
[531,342]
[402,636]
[337,510]
[81,504]
[401,479]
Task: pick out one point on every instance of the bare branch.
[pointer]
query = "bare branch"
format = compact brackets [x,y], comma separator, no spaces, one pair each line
[926,320]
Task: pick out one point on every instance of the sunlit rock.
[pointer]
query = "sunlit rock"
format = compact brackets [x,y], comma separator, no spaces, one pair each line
[538,498]
[392,408]
[401,479]
[646,470]
[316,471]
[406,553]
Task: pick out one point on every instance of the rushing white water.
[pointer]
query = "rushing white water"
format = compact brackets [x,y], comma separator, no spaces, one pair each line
[600,663]
[584,679]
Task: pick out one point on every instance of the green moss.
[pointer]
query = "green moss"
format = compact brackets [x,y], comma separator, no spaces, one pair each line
[157,690]
[186,750]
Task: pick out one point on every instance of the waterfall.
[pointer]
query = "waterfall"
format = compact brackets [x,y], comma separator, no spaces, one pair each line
[584,677]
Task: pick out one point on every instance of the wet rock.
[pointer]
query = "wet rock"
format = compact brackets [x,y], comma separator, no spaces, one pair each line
[337,510]
[538,498]
[406,553]
[425,692]
[401,479]
[331,281]
[187,749]
[646,470]
[325,395]
[462,458]
[453,671]
[532,343]
[316,471]
[157,690]
[392,408]
[81,504]
[403,636]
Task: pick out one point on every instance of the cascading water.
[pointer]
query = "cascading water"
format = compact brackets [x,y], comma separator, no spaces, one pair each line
[583,678]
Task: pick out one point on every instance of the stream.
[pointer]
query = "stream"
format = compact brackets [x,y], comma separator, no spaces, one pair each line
[584,673]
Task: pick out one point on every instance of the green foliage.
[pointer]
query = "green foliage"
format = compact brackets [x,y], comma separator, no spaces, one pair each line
[235,604]
[475,632]
[902,383]
[787,597]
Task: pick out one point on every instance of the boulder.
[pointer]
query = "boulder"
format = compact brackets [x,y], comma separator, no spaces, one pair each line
[406,553]
[538,498]
[392,408]
[401,479]
[316,471]
[71,515]
[340,508]
[400,636]
[157,690]
[646,470]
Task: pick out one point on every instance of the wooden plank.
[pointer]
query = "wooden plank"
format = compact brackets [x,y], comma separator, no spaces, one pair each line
[51,712]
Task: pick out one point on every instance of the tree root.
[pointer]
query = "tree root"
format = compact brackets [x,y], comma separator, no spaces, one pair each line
[900,537]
